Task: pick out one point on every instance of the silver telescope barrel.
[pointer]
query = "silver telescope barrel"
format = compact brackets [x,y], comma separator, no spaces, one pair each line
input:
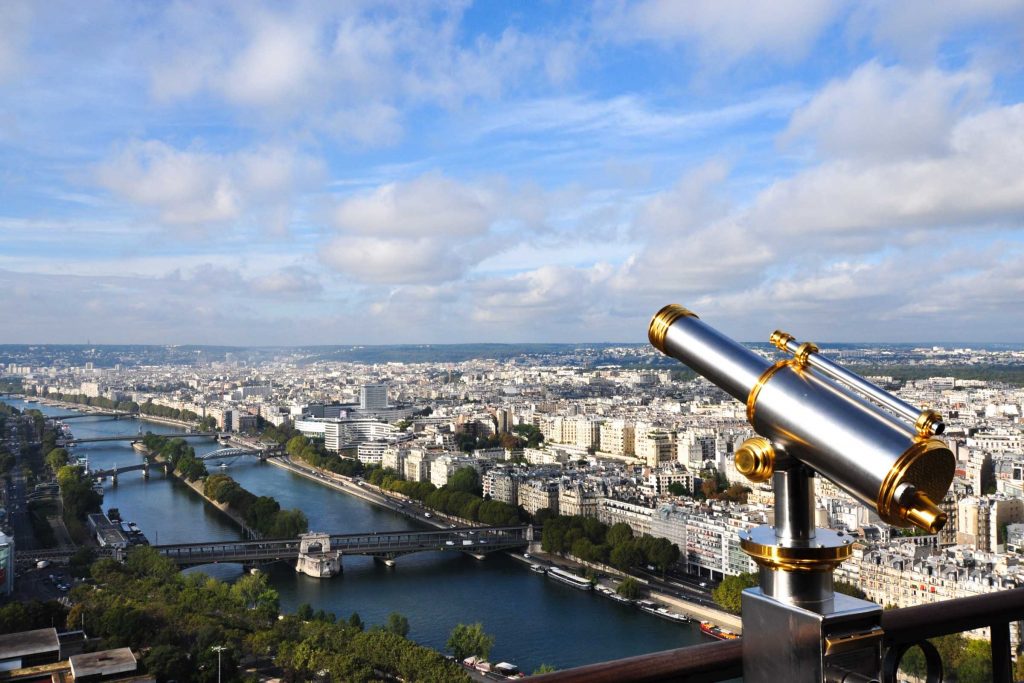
[926,421]
[877,458]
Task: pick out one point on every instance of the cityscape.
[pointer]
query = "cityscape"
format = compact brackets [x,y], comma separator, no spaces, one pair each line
[452,340]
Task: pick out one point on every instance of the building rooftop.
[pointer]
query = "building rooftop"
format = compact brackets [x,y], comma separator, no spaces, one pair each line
[105,663]
[28,643]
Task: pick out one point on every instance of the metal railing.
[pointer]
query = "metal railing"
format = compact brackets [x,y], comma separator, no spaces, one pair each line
[904,628]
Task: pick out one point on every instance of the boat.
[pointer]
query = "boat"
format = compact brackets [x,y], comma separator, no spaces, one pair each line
[508,670]
[709,629]
[657,610]
[570,579]
[223,465]
[537,568]
[620,598]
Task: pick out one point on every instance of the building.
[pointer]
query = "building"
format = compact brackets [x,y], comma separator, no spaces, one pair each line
[373,396]
[611,511]
[502,486]
[6,564]
[536,495]
[617,438]
[575,500]
[981,521]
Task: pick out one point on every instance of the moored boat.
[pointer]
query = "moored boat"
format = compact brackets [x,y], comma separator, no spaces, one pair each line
[538,568]
[709,629]
[570,579]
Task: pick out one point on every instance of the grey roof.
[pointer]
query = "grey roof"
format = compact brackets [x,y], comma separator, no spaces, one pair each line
[29,643]
[103,663]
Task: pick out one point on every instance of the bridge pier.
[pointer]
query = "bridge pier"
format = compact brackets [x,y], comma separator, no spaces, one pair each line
[316,558]
[113,478]
[145,470]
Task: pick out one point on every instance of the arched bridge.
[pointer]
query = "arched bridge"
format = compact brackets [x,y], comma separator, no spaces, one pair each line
[116,414]
[224,453]
[140,437]
[387,546]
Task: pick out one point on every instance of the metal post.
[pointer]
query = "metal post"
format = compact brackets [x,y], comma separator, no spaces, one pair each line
[218,649]
[796,628]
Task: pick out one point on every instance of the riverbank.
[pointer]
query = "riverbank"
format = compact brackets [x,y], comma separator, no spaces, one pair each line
[197,486]
[82,408]
[345,485]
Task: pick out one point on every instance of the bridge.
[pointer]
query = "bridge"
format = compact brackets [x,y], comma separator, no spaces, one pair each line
[140,437]
[476,541]
[221,454]
[117,414]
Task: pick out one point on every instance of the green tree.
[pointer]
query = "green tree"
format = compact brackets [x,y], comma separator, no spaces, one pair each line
[544,669]
[728,593]
[677,489]
[629,588]
[468,640]
[619,533]
[56,458]
[397,624]
[626,555]
[850,589]
[467,480]
[975,663]
[356,622]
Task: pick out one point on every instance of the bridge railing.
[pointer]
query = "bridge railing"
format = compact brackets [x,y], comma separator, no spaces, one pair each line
[904,629]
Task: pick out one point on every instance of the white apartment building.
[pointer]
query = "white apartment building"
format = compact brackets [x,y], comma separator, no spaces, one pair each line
[611,511]
[617,438]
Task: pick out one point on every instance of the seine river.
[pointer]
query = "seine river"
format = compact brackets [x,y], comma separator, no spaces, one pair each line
[533,619]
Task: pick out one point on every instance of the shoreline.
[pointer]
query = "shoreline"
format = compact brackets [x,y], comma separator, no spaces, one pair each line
[197,486]
[343,484]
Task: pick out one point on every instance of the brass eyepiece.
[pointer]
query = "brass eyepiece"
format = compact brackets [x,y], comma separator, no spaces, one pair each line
[755,459]
[662,320]
[803,351]
[924,514]
[780,339]
[929,422]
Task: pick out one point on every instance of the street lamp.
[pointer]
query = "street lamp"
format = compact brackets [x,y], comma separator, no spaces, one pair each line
[218,649]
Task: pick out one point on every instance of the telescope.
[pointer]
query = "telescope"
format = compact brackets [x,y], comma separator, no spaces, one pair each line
[814,417]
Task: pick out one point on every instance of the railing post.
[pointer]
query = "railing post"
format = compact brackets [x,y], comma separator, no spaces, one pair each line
[1002,667]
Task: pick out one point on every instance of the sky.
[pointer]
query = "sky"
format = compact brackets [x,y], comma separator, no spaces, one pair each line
[265,173]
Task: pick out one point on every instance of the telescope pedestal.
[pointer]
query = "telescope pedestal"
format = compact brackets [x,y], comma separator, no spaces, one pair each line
[795,627]
[784,642]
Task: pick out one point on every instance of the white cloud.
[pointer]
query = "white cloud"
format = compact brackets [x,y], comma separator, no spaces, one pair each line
[723,32]
[15,22]
[280,64]
[196,188]
[915,29]
[888,112]
[431,205]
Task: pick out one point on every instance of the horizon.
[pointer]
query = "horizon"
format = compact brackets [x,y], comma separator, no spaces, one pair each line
[265,175]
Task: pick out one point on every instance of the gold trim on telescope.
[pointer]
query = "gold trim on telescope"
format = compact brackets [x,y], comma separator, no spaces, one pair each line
[761,381]
[780,340]
[822,554]
[926,422]
[803,351]
[755,459]
[662,320]
[928,466]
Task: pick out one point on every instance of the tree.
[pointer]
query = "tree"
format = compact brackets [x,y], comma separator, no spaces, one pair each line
[976,663]
[470,640]
[626,555]
[397,624]
[677,489]
[355,621]
[619,533]
[544,669]
[850,589]
[467,480]
[727,594]
[304,612]
[629,588]
[56,459]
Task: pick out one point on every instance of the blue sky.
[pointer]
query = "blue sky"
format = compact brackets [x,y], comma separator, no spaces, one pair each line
[335,173]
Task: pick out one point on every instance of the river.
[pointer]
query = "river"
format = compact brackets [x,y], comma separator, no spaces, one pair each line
[533,619]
